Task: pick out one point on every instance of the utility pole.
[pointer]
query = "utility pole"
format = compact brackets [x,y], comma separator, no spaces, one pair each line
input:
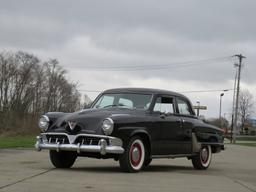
[220,118]
[233,105]
[240,57]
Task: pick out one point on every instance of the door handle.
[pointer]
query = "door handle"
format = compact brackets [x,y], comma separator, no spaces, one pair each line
[179,121]
[162,116]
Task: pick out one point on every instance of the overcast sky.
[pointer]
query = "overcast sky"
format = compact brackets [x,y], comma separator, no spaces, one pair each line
[93,39]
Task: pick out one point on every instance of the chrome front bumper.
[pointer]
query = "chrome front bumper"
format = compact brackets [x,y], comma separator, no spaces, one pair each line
[105,144]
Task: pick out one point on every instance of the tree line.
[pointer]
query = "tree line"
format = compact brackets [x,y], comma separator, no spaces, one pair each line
[30,87]
[246,110]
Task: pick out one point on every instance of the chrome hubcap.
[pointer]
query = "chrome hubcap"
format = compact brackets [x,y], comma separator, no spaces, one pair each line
[135,154]
[204,155]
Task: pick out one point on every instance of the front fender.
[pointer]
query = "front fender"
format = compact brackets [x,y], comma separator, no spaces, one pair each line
[127,132]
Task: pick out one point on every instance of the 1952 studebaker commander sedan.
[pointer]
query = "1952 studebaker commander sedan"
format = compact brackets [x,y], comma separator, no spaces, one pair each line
[132,125]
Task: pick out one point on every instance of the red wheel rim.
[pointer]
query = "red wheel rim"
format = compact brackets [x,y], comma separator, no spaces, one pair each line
[135,154]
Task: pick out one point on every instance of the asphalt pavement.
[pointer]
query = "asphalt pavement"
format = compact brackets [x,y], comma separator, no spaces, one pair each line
[25,170]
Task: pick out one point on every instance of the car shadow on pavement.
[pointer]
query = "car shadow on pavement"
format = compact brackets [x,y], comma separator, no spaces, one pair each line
[98,169]
[167,168]
[116,169]
[149,169]
[182,169]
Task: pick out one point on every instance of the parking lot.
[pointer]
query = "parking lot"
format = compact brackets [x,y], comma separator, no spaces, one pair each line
[27,170]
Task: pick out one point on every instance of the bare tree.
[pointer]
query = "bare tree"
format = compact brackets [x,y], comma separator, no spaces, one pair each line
[246,107]
[30,87]
[86,101]
[223,122]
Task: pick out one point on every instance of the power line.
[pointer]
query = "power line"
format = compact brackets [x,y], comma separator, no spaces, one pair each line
[193,91]
[207,91]
[158,66]
[182,62]
[96,91]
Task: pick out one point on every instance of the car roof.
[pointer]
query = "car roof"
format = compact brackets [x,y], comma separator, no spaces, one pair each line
[144,90]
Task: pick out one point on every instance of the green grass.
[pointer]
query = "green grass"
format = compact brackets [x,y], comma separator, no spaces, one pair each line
[249,141]
[29,141]
[17,141]
[247,144]
[245,138]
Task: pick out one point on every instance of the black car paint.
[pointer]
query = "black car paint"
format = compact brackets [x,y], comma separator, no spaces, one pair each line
[164,134]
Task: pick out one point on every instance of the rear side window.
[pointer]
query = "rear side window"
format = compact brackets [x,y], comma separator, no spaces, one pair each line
[183,107]
[164,105]
[125,102]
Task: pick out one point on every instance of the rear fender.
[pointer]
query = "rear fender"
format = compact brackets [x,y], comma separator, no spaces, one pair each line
[211,139]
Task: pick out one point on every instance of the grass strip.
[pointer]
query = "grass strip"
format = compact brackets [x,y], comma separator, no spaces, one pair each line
[246,138]
[247,144]
[17,141]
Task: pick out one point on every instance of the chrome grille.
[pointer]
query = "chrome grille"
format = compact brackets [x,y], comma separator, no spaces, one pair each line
[86,140]
[61,139]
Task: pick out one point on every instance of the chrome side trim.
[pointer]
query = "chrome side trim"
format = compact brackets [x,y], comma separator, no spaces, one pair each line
[211,143]
[171,156]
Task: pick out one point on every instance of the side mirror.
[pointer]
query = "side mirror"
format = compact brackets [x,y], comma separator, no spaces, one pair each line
[87,106]
[201,117]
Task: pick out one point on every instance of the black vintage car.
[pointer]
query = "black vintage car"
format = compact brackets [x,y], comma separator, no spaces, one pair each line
[132,125]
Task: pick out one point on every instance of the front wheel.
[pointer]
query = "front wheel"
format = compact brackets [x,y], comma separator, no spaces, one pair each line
[62,159]
[132,160]
[203,159]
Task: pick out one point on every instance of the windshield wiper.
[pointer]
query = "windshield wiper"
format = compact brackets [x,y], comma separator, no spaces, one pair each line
[116,105]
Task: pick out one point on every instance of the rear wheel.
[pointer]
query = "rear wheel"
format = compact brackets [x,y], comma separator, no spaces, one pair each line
[203,159]
[62,159]
[132,160]
[147,162]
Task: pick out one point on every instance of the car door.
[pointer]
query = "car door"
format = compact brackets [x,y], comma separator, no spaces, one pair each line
[187,116]
[167,132]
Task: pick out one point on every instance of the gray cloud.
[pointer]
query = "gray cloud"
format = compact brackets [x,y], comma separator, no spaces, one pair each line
[199,20]
[128,33]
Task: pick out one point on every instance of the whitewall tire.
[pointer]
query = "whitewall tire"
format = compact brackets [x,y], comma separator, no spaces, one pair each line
[203,159]
[132,160]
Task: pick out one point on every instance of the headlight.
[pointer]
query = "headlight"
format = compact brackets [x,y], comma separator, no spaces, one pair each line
[43,123]
[108,126]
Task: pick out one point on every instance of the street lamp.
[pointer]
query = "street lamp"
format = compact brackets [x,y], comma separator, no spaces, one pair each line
[221,95]
[198,104]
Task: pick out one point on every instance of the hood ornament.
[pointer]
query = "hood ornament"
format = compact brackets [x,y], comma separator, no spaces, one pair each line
[72,125]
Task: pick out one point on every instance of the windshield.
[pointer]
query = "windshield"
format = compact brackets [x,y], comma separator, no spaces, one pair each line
[125,100]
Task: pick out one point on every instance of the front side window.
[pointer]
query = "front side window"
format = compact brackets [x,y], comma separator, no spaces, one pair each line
[105,100]
[164,105]
[183,107]
[125,100]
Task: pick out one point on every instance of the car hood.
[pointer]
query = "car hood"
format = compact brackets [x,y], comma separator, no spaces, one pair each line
[88,120]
